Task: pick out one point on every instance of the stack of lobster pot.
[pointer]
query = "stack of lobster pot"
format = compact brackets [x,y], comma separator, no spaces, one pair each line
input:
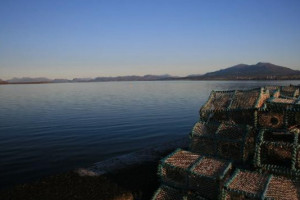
[198,176]
[223,140]
[246,145]
[252,185]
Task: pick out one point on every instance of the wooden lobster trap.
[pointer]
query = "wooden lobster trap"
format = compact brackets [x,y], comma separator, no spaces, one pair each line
[254,186]
[278,152]
[203,138]
[202,175]
[224,140]
[238,106]
[174,169]
[208,175]
[168,193]
[279,113]
[289,91]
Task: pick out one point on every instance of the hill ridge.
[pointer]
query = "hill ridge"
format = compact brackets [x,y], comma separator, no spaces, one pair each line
[258,71]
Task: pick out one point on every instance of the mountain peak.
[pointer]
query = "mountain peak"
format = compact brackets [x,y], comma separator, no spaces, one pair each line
[263,63]
[261,70]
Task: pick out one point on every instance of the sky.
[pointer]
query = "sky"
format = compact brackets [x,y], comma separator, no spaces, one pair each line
[90,38]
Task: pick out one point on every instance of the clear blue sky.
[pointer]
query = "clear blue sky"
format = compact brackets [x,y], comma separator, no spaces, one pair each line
[78,38]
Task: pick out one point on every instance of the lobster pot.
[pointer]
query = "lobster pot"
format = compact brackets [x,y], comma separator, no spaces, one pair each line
[214,116]
[289,91]
[281,188]
[174,169]
[279,154]
[245,185]
[204,129]
[203,145]
[236,105]
[273,90]
[293,116]
[167,193]
[273,120]
[208,175]
[253,185]
[235,142]
[240,116]
[230,150]
[216,106]
[225,140]
[203,136]
[278,137]
[246,117]
[276,152]
[249,146]
[244,104]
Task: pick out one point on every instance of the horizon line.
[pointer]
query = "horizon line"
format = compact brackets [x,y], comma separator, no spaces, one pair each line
[163,74]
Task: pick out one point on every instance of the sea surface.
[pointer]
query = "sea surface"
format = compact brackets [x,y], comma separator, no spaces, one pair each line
[52,128]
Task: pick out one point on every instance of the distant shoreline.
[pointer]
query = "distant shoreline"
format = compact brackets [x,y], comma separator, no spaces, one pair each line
[178,79]
[241,72]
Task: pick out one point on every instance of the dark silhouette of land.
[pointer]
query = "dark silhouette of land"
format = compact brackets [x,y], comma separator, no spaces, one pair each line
[259,71]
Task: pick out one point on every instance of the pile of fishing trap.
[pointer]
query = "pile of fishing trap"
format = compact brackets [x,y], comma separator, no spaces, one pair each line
[246,145]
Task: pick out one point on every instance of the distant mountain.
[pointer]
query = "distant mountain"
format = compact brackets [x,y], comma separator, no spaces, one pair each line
[135,78]
[98,79]
[194,75]
[82,79]
[29,80]
[61,81]
[258,71]
[2,82]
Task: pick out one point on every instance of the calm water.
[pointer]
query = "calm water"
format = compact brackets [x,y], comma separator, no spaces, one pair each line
[51,128]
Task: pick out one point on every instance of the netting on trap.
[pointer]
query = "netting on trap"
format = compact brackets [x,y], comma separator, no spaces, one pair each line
[293,117]
[203,145]
[200,174]
[229,141]
[271,119]
[247,99]
[203,129]
[218,101]
[168,193]
[253,185]
[174,169]
[230,150]
[203,138]
[282,188]
[278,152]
[274,91]
[238,105]
[245,185]
[243,117]
[283,101]
[208,175]
[278,117]
[289,91]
